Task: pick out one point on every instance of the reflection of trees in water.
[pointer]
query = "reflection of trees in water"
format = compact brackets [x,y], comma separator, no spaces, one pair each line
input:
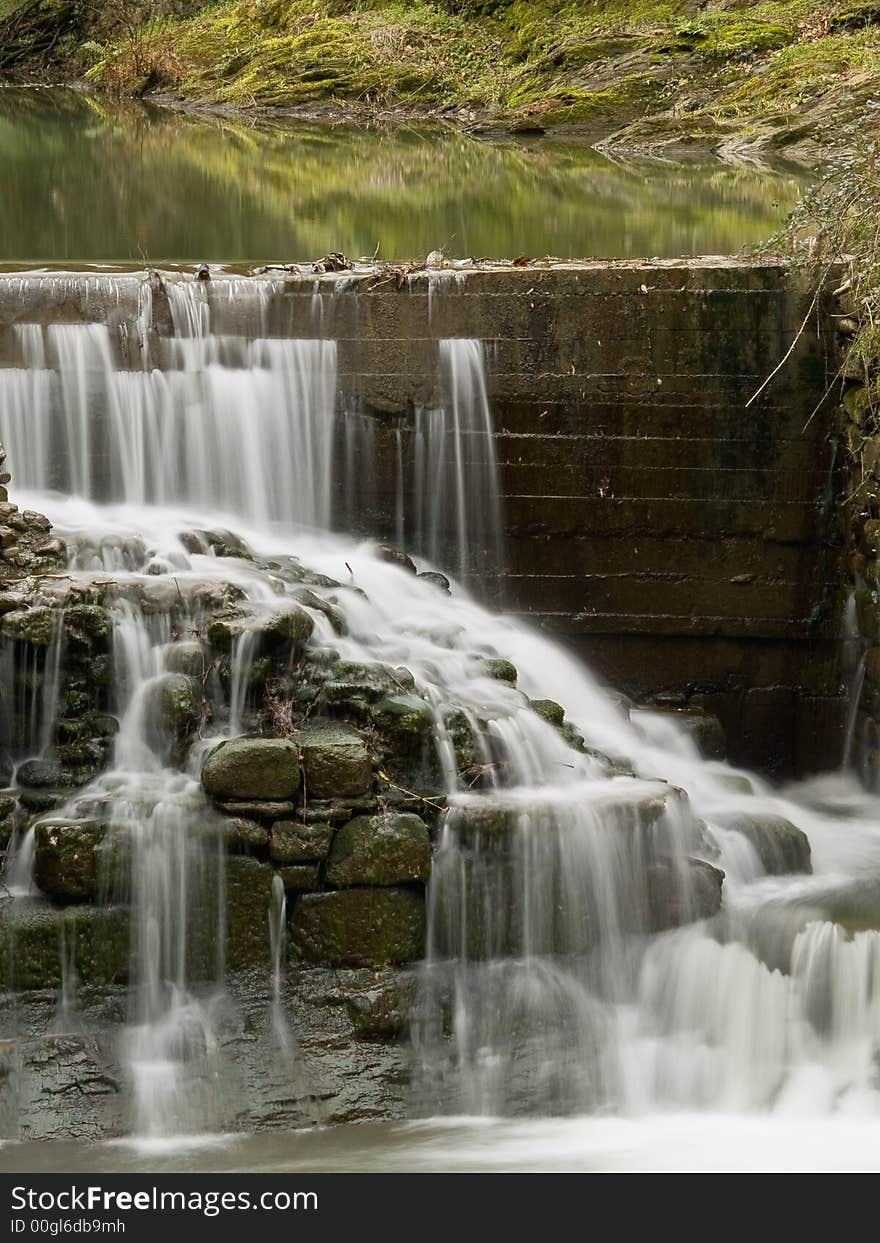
[91,182]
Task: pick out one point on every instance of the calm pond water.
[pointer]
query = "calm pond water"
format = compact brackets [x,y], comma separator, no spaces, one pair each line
[86,181]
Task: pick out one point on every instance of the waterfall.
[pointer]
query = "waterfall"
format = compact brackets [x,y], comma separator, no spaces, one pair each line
[576,958]
[456,471]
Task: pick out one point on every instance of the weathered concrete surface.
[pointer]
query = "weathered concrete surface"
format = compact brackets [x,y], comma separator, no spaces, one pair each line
[683,540]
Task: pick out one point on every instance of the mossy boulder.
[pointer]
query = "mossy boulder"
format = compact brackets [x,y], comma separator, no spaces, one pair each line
[186,657]
[781,846]
[33,933]
[402,717]
[178,704]
[380,850]
[65,863]
[353,683]
[336,764]
[482,818]
[40,774]
[501,670]
[244,836]
[37,626]
[248,895]
[293,842]
[288,625]
[359,927]
[549,711]
[252,768]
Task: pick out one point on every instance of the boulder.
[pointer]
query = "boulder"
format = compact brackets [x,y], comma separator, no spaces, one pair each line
[549,710]
[294,842]
[403,717]
[361,683]
[501,670]
[252,768]
[65,865]
[40,774]
[436,580]
[395,556]
[243,836]
[178,704]
[781,846]
[187,657]
[679,894]
[389,849]
[336,763]
[359,927]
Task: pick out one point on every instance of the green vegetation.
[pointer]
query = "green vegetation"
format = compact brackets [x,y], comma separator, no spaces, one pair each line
[660,69]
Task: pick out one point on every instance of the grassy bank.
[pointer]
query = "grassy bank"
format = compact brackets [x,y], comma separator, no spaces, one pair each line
[648,72]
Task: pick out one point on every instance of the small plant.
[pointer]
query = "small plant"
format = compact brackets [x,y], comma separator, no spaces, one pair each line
[142,61]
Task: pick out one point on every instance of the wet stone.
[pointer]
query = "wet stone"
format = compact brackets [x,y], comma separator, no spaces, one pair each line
[186,657]
[64,859]
[359,927]
[382,1013]
[780,845]
[252,768]
[336,763]
[501,671]
[248,884]
[388,849]
[549,711]
[259,809]
[294,842]
[680,895]
[440,581]
[243,836]
[300,877]
[31,938]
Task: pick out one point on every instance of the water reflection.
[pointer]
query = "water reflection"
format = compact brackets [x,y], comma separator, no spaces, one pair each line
[84,181]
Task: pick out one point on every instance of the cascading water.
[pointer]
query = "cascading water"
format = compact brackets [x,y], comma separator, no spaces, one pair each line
[574,961]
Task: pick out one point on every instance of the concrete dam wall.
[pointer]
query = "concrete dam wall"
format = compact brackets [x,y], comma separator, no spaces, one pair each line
[680,537]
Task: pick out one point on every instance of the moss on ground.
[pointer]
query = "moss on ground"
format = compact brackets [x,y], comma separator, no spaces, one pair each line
[591,65]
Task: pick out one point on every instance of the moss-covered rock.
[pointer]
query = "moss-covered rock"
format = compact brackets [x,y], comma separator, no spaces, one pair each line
[350,682]
[295,842]
[252,768]
[335,762]
[187,657]
[359,927]
[382,1012]
[35,937]
[501,670]
[300,877]
[403,717]
[65,865]
[244,836]
[248,895]
[380,850]
[178,705]
[549,711]
[780,845]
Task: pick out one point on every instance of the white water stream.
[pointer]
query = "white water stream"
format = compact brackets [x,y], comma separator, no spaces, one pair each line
[544,991]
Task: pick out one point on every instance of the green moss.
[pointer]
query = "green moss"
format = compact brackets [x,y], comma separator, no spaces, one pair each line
[596,64]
